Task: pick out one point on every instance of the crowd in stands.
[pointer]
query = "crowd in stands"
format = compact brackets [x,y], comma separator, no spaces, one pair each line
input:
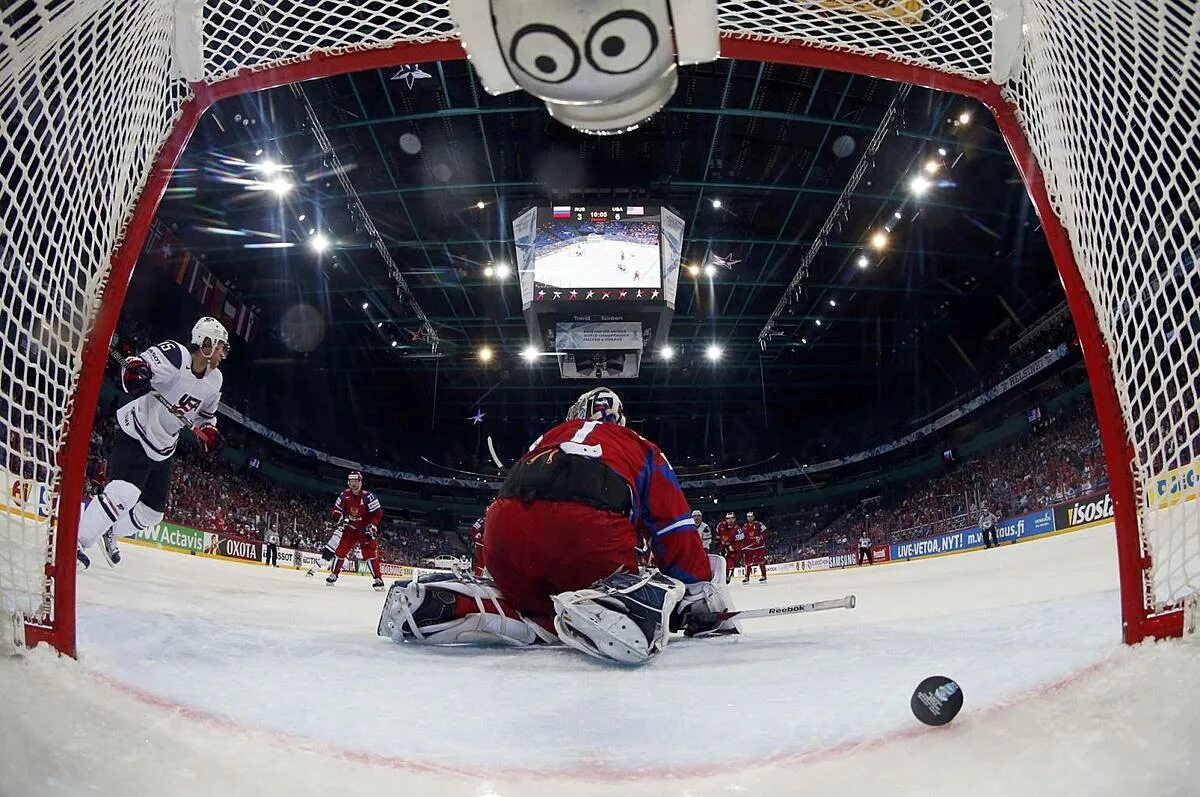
[1060,461]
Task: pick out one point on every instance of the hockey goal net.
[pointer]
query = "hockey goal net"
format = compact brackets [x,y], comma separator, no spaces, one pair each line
[1097,98]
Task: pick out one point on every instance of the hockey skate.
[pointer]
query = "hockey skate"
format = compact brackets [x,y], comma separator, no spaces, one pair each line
[378,585]
[108,546]
[331,579]
[82,560]
[764,578]
[746,580]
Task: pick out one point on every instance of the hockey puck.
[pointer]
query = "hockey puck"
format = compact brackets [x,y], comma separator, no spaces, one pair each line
[937,700]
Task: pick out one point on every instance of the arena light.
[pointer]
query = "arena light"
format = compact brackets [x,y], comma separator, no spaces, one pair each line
[716,203]
[942,151]
[931,166]
[964,118]
[804,340]
[863,261]
[489,272]
[879,241]
[667,353]
[365,305]
[898,215]
[269,168]
[833,302]
[713,352]
[529,353]
[394,344]
[503,270]
[481,204]
[319,242]
[710,271]
[919,185]
[485,354]
[694,270]
[818,322]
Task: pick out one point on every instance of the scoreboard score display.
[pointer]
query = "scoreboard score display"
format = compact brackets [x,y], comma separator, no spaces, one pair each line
[582,250]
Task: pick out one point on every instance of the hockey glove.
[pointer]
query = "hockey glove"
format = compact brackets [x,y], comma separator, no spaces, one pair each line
[135,376]
[211,439]
[693,613]
[369,531]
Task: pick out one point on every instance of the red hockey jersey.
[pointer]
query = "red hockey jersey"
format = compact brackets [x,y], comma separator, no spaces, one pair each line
[726,530]
[360,510]
[659,512]
[755,535]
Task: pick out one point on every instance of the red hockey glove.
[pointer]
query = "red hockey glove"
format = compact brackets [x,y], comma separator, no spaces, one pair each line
[211,439]
[370,530]
[135,376]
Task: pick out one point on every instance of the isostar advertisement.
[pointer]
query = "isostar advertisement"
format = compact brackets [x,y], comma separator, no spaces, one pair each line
[1083,511]
[234,548]
[169,535]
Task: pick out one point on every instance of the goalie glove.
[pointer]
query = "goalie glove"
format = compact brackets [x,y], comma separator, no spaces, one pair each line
[135,376]
[211,439]
[706,597]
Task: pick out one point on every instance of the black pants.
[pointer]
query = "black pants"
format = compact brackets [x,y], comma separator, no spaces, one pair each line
[272,555]
[989,537]
[865,553]
[128,463]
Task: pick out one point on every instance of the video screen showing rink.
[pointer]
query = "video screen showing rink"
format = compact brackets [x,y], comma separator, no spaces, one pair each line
[201,676]
[592,247]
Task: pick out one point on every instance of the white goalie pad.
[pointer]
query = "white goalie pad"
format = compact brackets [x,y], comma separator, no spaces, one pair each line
[429,611]
[624,618]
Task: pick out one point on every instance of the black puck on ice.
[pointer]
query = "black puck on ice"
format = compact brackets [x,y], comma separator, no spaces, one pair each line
[937,700]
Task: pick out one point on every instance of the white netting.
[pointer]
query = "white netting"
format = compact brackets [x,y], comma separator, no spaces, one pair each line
[1109,97]
[1107,91]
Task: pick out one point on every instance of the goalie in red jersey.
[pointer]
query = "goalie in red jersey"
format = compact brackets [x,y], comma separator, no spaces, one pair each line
[356,516]
[561,545]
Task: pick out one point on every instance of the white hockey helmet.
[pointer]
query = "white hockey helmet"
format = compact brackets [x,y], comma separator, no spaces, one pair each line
[697,513]
[598,404]
[208,331]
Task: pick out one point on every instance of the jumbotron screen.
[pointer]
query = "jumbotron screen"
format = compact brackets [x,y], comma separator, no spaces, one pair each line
[593,248]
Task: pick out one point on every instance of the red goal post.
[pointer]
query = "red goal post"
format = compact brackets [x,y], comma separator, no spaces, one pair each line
[1098,101]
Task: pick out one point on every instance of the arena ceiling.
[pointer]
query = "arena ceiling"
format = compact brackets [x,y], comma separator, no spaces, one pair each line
[753,156]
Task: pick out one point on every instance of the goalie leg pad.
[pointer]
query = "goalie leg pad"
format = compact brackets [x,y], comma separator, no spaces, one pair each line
[448,609]
[623,618]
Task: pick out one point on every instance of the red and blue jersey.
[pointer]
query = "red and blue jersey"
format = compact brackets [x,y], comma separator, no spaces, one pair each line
[360,510]
[659,512]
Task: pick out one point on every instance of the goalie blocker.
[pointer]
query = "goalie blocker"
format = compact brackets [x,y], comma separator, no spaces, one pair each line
[625,618]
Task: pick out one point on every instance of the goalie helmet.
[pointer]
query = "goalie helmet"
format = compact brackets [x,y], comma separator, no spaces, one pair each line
[601,66]
[598,404]
[208,332]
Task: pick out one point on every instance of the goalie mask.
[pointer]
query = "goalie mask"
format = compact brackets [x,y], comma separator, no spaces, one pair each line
[598,404]
[601,66]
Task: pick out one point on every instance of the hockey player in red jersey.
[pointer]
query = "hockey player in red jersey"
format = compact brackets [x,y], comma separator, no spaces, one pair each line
[477,549]
[755,550]
[561,542]
[727,529]
[356,516]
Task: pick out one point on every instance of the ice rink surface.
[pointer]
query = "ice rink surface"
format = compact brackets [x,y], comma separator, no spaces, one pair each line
[600,265]
[203,677]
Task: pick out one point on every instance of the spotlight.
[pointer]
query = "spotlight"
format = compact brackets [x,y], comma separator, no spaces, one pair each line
[529,353]
[365,305]
[481,204]
[280,185]
[667,353]
[804,340]
[489,272]
[964,118]
[485,354]
[694,270]
[319,242]
[898,215]
[710,270]
[919,185]
[379,325]
[931,166]
[394,344]
[942,151]
[269,167]
[716,203]
[863,262]
[833,302]
[302,217]
[713,352]
[503,270]
[879,241]
[818,322]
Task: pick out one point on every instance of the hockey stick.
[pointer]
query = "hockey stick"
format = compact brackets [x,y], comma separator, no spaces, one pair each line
[847,602]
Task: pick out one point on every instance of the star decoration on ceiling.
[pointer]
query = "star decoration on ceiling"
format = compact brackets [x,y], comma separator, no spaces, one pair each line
[411,73]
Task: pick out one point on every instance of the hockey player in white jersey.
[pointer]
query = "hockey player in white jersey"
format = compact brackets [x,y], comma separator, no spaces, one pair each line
[177,387]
